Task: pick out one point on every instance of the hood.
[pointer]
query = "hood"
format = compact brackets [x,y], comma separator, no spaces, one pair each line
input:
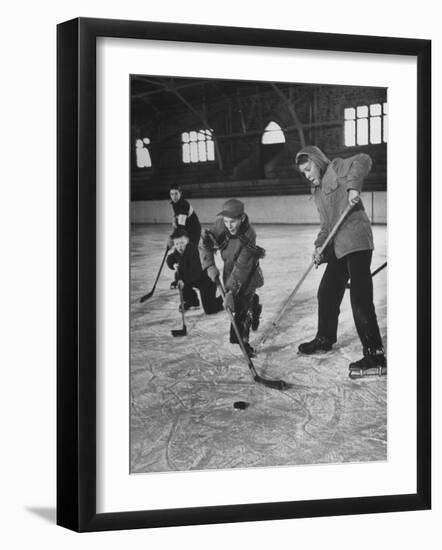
[316,155]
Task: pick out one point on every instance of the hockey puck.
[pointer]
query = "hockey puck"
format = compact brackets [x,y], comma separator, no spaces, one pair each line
[241,405]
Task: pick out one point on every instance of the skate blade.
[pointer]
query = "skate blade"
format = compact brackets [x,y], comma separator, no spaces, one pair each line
[361,373]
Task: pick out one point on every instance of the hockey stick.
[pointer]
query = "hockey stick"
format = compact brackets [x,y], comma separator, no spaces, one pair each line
[150,294]
[275,384]
[380,268]
[182,331]
[274,323]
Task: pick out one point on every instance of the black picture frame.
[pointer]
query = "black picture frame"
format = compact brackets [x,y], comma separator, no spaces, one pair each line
[76,274]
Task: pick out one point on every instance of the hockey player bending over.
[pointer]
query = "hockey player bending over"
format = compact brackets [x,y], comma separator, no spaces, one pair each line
[186,261]
[242,275]
[334,185]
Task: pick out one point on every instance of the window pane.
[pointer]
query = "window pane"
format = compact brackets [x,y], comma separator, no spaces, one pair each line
[273,134]
[385,129]
[210,150]
[186,152]
[349,133]
[362,131]
[376,109]
[362,111]
[202,156]
[273,137]
[385,108]
[193,152]
[142,154]
[147,159]
[139,153]
[350,113]
[375,129]
[200,147]
[272,126]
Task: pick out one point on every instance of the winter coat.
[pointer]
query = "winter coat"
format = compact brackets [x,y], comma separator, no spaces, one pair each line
[189,265]
[240,255]
[185,216]
[331,198]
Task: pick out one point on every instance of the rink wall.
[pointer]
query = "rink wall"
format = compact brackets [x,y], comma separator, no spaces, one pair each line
[296,209]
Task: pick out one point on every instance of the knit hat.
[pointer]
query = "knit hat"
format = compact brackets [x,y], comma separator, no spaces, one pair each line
[233,208]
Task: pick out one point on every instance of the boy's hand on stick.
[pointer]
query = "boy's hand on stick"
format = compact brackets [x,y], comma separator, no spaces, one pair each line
[353,197]
[317,257]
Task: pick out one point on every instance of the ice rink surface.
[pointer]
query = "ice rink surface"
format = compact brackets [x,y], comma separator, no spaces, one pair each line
[183,389]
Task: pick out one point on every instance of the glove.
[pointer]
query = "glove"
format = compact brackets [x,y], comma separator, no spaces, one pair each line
[206,239]
[213,273]
[180,284]
[229,301]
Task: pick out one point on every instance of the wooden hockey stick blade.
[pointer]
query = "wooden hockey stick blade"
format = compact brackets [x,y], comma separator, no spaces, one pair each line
[147,296]
[274,384]
[179,332]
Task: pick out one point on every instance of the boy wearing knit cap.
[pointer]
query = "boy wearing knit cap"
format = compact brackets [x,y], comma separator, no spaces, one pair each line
[235,238]
[336,184]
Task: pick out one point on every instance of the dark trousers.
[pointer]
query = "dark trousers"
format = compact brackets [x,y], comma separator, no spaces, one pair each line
[211,303]
[242,317]
[355,266]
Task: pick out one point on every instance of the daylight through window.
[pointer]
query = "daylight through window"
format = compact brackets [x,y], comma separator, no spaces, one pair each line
[198,146]
[142,152]
[365,124]
[273,134]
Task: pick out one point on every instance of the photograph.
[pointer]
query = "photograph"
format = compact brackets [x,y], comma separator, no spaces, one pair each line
[258,274]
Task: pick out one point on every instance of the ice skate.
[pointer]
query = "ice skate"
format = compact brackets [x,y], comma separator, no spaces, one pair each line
[317,344]
[371,364]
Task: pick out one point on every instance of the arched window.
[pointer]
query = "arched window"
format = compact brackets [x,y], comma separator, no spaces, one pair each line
[272,134]
[142,152]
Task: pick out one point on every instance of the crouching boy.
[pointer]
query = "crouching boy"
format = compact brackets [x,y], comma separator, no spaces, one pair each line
[186,261]
[235,238]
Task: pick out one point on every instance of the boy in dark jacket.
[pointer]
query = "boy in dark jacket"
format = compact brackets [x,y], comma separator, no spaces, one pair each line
[242,275]
[336,184]
[184,216]
[186,262]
